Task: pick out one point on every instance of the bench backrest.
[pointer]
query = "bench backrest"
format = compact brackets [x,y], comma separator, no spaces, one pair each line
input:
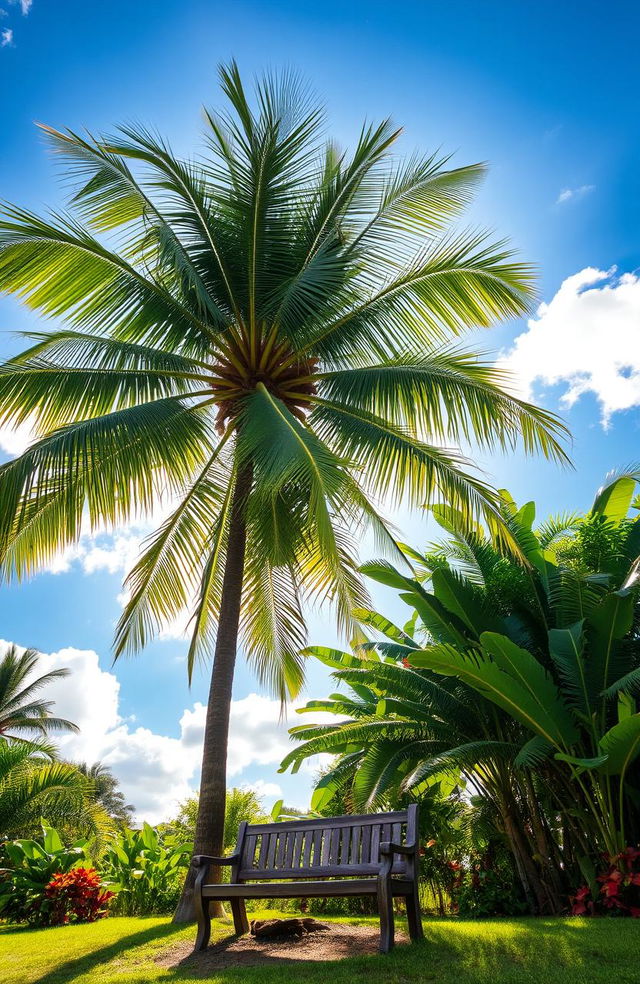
[326,847]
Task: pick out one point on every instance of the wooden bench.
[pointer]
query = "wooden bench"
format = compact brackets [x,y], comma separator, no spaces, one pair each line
[374,854]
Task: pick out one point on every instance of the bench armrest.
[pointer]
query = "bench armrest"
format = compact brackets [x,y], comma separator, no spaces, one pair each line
[201,859]
[388,847]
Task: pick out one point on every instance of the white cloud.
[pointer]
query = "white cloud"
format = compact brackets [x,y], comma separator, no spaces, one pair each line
[6,37]
[587,337]
[25,6]
[574,193]
[259,735]
[157,771]
[15,440]
[265,790]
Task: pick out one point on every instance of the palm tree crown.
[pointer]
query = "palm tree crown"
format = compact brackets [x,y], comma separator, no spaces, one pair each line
[22,711]
[278,313]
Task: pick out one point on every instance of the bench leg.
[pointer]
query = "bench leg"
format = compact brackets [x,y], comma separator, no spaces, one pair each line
[385,909]
[414,917]
[204,923]
[240,921]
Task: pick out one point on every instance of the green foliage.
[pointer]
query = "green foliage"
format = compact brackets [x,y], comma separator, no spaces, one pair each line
[519,676]
[32,865]
[240,804]
[145,869]
[32,782]
[485,888]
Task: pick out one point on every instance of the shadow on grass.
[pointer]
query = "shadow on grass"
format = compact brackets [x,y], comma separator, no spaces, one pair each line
[464,952]
[67,972]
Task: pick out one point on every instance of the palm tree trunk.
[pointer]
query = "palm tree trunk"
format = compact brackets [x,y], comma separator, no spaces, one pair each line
[209,836]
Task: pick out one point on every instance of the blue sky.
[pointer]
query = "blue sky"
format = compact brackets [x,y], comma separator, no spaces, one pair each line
[545,92]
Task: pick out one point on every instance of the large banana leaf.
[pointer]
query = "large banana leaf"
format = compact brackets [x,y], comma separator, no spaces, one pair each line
[621,745]
[614,498]
[548,718]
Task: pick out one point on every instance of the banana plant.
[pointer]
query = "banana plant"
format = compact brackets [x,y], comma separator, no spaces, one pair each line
[521,673]
[565,661]
[145,870]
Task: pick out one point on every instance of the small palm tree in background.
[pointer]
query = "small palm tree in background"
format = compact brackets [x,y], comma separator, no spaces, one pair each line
[107,792]
[33,784]
[22,712]
[266,336]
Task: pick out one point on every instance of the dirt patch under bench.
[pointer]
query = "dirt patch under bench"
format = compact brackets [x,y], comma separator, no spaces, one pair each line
[335,943]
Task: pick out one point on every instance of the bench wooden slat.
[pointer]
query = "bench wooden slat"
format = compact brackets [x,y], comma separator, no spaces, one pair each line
[374,850]
[365,853]
[308,844]
[326,843]
[396,837]
[354,851]
[317,845]
[249,851]
[295,858]
[345,834]
[272,839]
[334,845]
[264,846]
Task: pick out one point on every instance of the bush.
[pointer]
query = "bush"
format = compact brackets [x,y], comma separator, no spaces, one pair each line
[145,870]
[23,888]
[485,887]
[76,896]
[615,891]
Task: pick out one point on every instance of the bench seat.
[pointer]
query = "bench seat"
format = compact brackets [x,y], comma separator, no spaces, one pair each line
[303,889]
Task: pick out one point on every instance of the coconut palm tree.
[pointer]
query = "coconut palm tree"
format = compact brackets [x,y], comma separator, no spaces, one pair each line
[22,711]
[266,336]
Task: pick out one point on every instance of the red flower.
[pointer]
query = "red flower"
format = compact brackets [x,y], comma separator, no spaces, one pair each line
[619,884]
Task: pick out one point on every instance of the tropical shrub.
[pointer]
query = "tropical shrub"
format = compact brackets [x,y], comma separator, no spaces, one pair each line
[518,669]
[33,866]
[566,670]
[485,886]
[616,890]
[145,870]
[75,896]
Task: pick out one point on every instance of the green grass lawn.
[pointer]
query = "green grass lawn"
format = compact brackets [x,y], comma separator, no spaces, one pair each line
[505,951]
